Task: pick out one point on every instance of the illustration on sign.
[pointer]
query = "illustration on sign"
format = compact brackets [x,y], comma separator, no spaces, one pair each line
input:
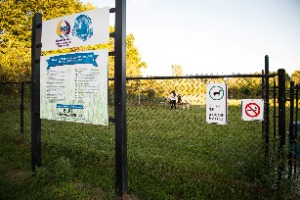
[74,87]
[81,29]
[216,103]
[216,92]
[63,31]
[252,109]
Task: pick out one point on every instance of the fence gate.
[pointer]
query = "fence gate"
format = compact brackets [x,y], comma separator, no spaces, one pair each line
[285,125]
[293,130]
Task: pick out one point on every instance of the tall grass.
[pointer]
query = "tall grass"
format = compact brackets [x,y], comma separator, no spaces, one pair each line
[179,150]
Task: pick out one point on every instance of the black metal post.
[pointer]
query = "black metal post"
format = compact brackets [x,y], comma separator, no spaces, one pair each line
[275,113]
[22,110]
[281,122]
[263,95]
[263,92]
[120,100]
[36,154]
[291,130]
[296,129]
[266,118]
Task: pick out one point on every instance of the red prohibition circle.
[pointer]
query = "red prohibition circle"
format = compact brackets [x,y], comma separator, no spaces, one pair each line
[252,110]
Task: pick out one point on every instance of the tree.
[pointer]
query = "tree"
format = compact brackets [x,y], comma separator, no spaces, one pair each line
[177,70]
[296,77]
[15,32]
[134,62]
[244,87]
[15,37]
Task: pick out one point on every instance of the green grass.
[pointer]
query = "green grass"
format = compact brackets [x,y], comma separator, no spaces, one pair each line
[171,155]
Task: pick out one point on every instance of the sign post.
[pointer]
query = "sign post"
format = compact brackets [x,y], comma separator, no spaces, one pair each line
[36,152]
[120,101]
[216,103]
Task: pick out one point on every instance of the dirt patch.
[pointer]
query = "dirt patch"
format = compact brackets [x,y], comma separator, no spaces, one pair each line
[128,197]
[97,192]
[21,142]
[17,175]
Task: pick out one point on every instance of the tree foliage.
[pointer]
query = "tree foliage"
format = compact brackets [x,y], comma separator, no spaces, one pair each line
[15,29]
[296,77]
[177,70]
[244,87]
[134,62]
[15,37]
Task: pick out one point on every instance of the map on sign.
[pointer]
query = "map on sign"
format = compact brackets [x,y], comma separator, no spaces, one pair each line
[252,109]
[216,103]
[74,87]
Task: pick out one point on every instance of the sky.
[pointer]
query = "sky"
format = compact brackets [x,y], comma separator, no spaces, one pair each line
[213,36]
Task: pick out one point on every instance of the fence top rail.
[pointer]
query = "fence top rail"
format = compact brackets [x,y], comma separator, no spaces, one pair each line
[203,76]
[177,77]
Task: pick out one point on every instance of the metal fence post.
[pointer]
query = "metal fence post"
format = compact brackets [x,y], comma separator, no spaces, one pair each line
[36,154]
[120,100]
[291,130]
[263,95]
[266,121]
[22,110]
[274,115]
[296,130]
[281,122]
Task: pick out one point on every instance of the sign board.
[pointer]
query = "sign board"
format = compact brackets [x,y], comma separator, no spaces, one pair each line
[74,87]
[216,103]
[81,29]
[252,109]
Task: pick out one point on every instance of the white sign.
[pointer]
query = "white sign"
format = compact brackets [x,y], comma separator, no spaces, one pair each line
[252,109]
[74,87]
[216,103]
[81,29]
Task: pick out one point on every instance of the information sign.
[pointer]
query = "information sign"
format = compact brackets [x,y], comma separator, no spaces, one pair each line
[252,109]
[80,29]
[216,103]
[74,87]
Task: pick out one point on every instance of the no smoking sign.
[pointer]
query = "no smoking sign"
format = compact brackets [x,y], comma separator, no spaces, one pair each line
[252,109]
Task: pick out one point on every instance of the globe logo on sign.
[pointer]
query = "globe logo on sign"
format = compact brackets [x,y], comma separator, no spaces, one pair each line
[82,27]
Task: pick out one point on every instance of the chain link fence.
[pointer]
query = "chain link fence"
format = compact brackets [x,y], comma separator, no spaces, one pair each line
[15,107]
[177,147]
[172,153]
[84,146]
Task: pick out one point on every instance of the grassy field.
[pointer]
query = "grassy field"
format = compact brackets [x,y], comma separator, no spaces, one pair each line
[171,155]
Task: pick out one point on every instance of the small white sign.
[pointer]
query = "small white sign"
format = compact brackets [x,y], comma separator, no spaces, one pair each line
[252,109]
[81,29]
[216,103]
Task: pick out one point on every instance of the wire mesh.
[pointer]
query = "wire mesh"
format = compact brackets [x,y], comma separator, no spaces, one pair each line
[176,146]
[10,104]
[170,151]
